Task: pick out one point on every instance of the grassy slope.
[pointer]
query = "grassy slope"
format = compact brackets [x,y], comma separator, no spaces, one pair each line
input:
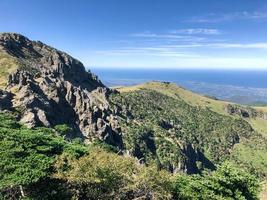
[197,100]
[181,95]
[188,96]
[259,124]
[248,152]
[7,65]
[263,194]
[264,109]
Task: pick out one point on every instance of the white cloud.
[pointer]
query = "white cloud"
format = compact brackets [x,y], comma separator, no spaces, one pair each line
[153,35]
[183,51]
[244,15]
[240,45]
[196,31]
[173,56]
[262,46]
[170,36]
[201,62]
[182,48]
[223,63]
[146,51]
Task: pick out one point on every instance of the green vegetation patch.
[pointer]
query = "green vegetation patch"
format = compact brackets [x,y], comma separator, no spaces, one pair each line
[27,155]
[38,164]
[169,131]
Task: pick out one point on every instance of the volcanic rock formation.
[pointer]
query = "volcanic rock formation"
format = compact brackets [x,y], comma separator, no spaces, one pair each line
[48,87]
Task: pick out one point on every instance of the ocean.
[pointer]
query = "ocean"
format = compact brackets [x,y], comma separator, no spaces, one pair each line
[247,87]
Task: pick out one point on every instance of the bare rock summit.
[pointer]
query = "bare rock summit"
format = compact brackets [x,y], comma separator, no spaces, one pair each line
[48,87]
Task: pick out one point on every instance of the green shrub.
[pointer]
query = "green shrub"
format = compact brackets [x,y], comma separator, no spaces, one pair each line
[63,129]
[104,175]
[227,182]
[27,156]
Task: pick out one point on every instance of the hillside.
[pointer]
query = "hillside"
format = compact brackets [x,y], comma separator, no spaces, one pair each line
[259,122]
[62,129]
[195,129]
[39,164]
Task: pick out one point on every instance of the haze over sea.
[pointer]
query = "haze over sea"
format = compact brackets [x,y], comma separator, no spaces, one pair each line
[240,86]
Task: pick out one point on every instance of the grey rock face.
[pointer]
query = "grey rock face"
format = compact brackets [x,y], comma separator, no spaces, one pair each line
[54,88]
[5,100]
[241,111]
[245,112]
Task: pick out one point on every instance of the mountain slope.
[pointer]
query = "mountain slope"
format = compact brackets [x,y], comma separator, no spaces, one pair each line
[258,120]
[38,164]
[187,131]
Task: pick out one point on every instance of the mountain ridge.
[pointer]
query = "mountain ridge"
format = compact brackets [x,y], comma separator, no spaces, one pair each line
[48,87]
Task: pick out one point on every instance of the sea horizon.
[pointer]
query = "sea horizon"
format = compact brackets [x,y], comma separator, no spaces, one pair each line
[240,86]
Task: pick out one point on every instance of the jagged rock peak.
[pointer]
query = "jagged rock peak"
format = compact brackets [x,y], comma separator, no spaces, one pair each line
[13,36]
[39,58]
[50,87]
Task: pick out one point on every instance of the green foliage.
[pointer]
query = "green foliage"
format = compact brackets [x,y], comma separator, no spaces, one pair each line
[169,130]
[104,146]
[39,164]
[104,175]
[226,183]
[63,129]
[27,155]
[251,155]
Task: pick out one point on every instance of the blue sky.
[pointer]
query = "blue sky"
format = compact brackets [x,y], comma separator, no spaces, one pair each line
[228,34]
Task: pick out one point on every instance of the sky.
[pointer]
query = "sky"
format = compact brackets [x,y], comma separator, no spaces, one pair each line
[187,34]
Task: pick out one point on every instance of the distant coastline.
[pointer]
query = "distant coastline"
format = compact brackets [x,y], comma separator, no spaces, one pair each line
[245,87]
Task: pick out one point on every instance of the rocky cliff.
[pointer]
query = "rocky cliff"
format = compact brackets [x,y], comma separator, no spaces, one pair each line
[48,87]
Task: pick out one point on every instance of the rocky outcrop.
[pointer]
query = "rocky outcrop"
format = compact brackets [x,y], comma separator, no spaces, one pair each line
[50,87]
[5,100]
[245,112]
[262,115]
[241,111]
